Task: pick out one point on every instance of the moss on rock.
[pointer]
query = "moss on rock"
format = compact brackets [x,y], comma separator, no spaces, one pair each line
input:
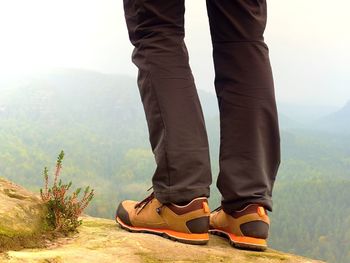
[22,217]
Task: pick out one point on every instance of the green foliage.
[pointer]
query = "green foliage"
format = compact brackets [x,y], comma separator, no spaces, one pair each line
[312,218]
[63,210]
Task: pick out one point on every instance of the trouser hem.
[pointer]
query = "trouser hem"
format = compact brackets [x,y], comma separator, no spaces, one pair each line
[230,207]
[181,196]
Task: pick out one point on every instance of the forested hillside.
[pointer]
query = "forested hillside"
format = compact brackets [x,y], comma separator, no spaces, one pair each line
[99,122]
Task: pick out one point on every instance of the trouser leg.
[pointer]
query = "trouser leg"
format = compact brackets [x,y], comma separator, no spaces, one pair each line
[249,129]
[173,111]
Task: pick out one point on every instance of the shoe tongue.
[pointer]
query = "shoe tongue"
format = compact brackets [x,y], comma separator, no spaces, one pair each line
[145,201]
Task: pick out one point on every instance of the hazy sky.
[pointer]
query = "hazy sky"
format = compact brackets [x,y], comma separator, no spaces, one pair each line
[309,43]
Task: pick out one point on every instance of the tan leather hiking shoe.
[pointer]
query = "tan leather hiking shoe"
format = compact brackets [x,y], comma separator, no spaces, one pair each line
[247,229]
[187,224]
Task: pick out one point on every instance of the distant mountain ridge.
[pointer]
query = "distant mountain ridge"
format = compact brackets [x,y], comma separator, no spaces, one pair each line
[337,122]
[95,92]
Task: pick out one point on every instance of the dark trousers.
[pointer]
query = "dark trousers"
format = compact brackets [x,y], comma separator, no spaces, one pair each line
[249,133]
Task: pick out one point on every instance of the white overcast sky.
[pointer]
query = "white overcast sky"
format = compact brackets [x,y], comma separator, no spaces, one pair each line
[309,43]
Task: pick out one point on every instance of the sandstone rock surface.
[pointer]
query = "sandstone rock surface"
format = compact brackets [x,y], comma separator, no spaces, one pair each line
[100,240]
[21,212]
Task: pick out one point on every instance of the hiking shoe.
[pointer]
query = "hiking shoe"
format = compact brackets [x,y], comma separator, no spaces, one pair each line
[246,229]
[187,224]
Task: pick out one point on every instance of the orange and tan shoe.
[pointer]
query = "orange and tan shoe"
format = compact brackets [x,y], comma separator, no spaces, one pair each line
[246,229]
[187,224]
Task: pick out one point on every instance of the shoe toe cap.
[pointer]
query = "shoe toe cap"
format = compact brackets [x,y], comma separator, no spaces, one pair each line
[123,214]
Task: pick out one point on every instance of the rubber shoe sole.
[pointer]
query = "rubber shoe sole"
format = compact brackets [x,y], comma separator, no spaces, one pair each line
[193,239]
[249,243]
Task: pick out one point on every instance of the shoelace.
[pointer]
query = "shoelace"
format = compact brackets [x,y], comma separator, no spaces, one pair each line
[145,201]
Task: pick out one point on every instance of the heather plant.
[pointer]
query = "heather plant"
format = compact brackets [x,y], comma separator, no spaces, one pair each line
[64,209]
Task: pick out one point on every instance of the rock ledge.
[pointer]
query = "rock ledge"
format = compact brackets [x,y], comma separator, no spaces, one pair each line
[101,240]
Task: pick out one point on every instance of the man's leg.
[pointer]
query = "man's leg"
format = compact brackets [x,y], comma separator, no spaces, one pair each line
[174,115]
[250,139]
[176,127]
